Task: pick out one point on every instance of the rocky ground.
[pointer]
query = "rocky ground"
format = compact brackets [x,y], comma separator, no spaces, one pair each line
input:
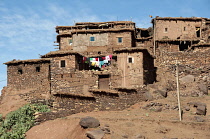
[151,119]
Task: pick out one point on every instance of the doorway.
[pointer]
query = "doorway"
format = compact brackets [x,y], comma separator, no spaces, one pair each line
[103,81]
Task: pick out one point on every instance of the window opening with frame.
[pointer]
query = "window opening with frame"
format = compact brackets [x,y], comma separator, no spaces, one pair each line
[92,39]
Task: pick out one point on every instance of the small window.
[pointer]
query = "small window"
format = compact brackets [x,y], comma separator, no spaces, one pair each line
[92,39]
[20,71]
[130,60]
[120,39]
[70,41]
[184,28]
[63,63]
[37,69]
[166,30]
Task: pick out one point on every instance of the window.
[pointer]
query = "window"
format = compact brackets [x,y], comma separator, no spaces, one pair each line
[92,39]
[130,60]
[184,28]
[37,69]
[20,71]
[70,41]
[166,30]
[63,63]
[120,39]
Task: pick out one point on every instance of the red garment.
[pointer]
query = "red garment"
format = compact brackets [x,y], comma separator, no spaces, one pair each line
[110,56]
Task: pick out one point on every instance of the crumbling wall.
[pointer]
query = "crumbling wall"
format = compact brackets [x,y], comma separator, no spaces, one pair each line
[98,102]
[196,58]
[29,76]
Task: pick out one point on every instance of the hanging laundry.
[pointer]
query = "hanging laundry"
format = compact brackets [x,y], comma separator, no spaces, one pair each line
[107,58]
[110,56]
[101,63]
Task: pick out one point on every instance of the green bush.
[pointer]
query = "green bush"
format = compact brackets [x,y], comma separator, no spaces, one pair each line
[18,122]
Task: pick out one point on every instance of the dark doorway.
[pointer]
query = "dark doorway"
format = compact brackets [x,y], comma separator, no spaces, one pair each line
[103,82]
[198,32]
[184,46]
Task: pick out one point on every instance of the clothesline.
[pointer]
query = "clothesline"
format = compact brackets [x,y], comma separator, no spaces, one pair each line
[100,62]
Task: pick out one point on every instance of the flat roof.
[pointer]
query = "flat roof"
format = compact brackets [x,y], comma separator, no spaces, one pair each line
[59,52]
[27,61]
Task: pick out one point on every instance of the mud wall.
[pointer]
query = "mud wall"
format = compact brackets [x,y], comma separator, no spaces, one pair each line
[172,29]
[131,65]
[29,76]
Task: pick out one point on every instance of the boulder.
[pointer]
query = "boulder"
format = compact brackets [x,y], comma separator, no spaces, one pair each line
[199,119]
[89,122]
[162,92]
[159,109]
[201,110]
[147,96]
[187,79]
[95,134]
[187,108]
[203,87]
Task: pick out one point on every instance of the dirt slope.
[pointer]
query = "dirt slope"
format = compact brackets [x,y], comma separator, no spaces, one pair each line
[134,121]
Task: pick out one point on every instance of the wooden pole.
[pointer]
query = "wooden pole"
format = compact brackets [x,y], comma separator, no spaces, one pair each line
[178,97]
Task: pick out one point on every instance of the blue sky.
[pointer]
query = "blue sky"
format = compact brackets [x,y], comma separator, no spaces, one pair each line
[27,27]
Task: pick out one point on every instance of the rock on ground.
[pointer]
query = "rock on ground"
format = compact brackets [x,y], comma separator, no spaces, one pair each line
[89,122]
[95,134]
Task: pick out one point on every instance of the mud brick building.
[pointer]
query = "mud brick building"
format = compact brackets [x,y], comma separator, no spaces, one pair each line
[174,34]
[91,55]
[100,63]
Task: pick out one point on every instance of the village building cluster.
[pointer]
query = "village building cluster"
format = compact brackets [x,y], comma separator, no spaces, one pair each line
[98,56]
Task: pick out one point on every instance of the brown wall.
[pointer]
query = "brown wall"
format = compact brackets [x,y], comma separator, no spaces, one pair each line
[175,29]
[103,42]
[132,73]
[30,78]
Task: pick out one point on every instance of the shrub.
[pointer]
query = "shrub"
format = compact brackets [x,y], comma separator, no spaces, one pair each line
[18,122]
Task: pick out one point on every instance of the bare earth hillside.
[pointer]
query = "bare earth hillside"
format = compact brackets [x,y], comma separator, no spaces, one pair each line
[152,119]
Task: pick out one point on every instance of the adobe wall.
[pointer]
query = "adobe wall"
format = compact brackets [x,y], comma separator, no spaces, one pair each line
[64,43]
[127,39]
[73,82]
[103,42]
[132,73]
[30,78]
[175,29]
[101,39]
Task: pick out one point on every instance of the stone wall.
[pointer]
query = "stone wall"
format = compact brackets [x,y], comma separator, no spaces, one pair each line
[28,76]
[196,58]
[99,101]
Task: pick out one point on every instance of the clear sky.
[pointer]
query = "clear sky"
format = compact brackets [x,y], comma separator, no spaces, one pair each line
[27,27]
